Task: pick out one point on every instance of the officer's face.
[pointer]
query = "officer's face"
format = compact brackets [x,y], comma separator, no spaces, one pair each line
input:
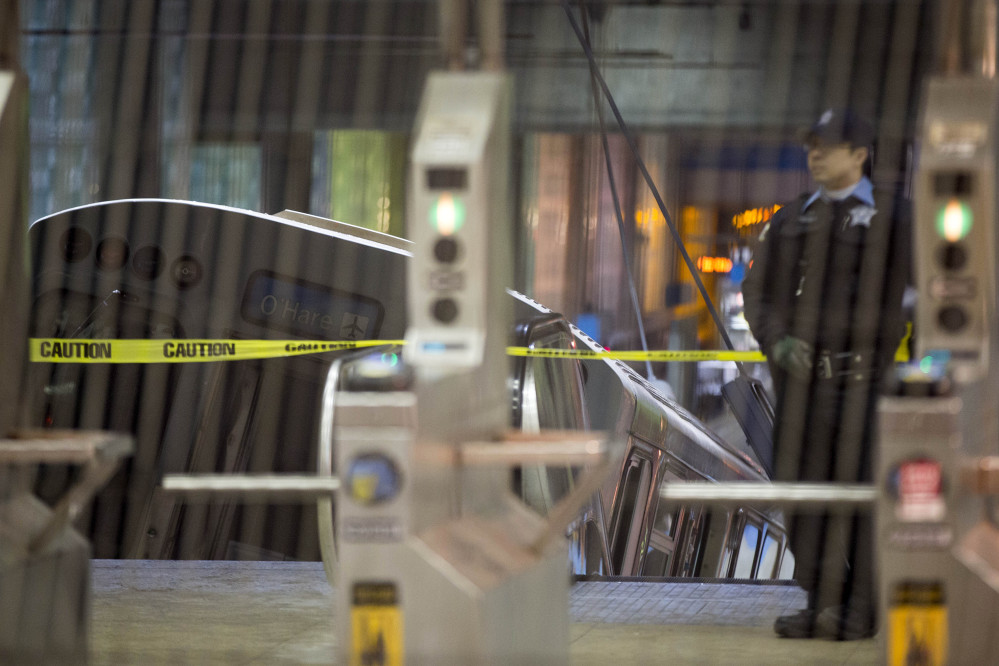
[835,166]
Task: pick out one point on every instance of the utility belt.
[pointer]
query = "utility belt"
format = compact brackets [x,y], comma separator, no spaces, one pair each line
[855,366]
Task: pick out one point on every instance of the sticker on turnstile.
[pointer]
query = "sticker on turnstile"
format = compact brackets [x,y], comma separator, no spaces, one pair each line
[917,624]
[376,625]
[373,478]
[920,536]
[371,529]
[917,486]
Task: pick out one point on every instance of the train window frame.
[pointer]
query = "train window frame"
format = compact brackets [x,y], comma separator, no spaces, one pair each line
[769,537]
[627,549]
[742,554]
[690,542]
[662,547]
[735,543]
[786,569]
[715,535]
[547,331]
[542,486]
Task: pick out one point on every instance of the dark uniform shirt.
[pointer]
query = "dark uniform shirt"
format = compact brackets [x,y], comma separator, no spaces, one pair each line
[831,273]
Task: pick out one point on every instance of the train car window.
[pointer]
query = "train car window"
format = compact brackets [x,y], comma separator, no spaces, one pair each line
[667,518]
[691,549]
[586,554]
[787,565]
[745,557]
[553,392]
[769,557]
[712,561]
[633,495]
[725,561]
[549,396]
[659,554]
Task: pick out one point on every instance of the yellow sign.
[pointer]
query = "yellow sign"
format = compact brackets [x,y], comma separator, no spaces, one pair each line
[376,625]
[917,624]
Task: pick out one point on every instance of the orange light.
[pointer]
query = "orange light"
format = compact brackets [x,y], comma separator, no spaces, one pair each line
[714,264]
[753,216]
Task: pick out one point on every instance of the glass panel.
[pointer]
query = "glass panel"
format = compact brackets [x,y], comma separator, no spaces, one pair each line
[692,541]
[631,516]
[747,552]
[553,390]
[628,495]
[667,516]
[768,558]
[656,562]
[787,566]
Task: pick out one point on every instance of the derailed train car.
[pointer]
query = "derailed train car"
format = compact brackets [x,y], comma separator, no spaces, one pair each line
[177,270]
[629,530]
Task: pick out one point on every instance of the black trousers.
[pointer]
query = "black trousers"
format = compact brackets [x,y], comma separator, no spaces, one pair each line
[825,433]
[834,561]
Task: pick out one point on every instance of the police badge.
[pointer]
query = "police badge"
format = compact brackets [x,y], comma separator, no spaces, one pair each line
[860,215]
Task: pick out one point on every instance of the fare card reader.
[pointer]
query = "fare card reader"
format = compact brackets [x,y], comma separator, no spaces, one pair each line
[439,562]
[459,221]
[955,223]
[931,530]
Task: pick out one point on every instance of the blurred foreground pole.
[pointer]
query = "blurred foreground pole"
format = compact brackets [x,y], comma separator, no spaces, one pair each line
[938,534]
[44,564]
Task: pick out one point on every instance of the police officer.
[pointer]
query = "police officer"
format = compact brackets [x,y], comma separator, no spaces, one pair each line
[823,297]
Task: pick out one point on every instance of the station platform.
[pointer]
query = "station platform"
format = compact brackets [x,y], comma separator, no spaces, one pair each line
[161,612]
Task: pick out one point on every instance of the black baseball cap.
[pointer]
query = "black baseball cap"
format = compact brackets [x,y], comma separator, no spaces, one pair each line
[841,126]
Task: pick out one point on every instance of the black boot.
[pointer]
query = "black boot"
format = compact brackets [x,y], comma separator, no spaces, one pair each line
[846,623]
[797,625]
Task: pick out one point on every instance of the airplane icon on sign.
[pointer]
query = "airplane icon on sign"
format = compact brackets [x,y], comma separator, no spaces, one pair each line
[352,329]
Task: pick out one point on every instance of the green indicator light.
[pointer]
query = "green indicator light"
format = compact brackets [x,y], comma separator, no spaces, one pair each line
[447,214]
[926,364]
[954,220]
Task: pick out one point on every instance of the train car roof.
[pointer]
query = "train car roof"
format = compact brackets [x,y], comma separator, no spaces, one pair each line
[295,219]
[647,392]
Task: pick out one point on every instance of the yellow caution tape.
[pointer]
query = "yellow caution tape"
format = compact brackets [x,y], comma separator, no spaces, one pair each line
[59,350]
[56,350]
[655,355]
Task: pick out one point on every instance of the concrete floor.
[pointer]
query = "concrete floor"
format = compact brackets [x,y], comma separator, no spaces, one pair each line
[282,613]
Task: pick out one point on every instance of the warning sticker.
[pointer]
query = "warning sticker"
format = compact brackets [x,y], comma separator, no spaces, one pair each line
[917,624]
[920,491]
[376,625]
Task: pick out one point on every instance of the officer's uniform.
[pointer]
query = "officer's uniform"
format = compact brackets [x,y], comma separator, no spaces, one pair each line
[831,273]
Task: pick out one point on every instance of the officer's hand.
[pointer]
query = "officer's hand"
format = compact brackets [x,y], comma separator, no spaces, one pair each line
[793,355]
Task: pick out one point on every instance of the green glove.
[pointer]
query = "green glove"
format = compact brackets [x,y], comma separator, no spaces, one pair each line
[793,355]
